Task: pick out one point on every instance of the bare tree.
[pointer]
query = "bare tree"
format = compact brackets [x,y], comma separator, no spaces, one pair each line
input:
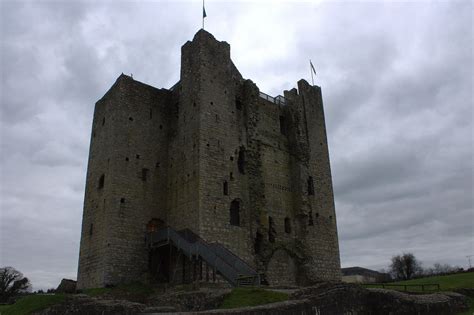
[442,269]
[12,283]
[405,266]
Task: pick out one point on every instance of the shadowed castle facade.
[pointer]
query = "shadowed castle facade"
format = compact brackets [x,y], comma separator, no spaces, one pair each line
[229,180]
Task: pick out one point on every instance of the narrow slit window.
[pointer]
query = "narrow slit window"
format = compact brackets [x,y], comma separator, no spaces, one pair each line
[287,225]
[91,229]
[101,181]
[226,188]
[310,186]
[241,160]
[271,230]
[257,245]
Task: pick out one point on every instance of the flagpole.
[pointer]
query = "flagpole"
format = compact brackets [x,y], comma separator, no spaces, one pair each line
[203,14]
[310,70]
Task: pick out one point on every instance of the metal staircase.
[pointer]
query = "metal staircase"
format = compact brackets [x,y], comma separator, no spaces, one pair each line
[236,271]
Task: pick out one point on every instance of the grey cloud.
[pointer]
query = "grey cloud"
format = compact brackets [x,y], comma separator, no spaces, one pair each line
[397,87]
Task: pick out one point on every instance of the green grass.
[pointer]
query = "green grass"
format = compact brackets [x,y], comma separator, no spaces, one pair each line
[446,283]
[31,303]
[135,292]
[241,297]
[96,291]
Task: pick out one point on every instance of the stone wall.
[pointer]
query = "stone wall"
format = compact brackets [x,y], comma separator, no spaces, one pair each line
[322,299]
[126,182]
[212,156]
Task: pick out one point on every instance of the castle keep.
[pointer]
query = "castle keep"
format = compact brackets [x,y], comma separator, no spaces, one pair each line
[210,180]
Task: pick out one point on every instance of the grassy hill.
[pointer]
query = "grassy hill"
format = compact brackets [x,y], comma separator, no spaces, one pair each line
[446,283]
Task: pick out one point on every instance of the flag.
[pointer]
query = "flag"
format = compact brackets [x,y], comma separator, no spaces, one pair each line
[312,67]
[203,12]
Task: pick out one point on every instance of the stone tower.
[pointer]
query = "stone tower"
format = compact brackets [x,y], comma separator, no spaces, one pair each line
[218,158]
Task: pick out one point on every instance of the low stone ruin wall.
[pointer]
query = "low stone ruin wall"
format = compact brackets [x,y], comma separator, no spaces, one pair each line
[322,299]
[353,299]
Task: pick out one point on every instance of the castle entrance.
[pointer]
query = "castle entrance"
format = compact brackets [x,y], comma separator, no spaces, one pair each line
[159,264]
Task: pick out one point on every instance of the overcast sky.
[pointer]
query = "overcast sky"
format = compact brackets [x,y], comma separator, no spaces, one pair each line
[397,88]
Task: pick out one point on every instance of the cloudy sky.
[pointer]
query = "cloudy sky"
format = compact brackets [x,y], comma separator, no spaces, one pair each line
[397,86]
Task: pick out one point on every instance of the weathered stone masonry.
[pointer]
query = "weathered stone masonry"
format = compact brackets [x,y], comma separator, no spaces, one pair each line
[214,155]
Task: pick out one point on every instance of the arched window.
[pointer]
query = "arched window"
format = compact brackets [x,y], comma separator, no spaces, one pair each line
[154,225]
[271,230]
[235,213]
[287,225]
[225,187]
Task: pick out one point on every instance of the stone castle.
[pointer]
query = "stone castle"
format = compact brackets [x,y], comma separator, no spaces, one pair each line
[210,180]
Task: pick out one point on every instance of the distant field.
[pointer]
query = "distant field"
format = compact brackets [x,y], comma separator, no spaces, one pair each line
[448,282]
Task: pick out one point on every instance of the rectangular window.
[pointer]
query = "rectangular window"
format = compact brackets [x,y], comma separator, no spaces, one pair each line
[235,213]
[287,225]
[226,188]
[101,181]
[310,186]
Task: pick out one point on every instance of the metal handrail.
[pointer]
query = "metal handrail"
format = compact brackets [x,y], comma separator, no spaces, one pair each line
[229,266]
[237,262]
[405,286]
[280,100]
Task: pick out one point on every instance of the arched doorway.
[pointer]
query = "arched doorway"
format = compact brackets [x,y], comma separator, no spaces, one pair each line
[281,269]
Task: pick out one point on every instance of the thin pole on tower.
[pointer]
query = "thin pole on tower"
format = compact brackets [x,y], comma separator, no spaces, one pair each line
[311,69]
[469,259]
[203,14]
